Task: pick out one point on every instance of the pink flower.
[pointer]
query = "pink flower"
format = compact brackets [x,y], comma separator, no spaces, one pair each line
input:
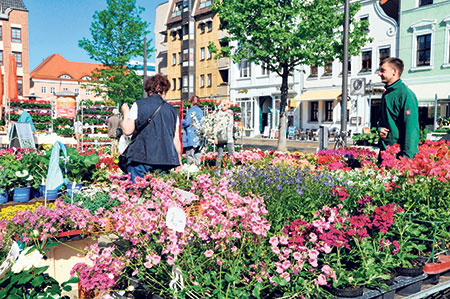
[321,280]
[156,259]
[209,253]
[273,241]
[297,256]
[326,269]
[313,262]
[170,260]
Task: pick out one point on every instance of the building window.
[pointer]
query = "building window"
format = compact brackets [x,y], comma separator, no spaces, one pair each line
[366,65]
[174,59]
[185,81]
[349,65]
[87,78]
[202,28]
[314,111]
[264,69]
[328,68]
[209,53]
[328,115]
[16,35]
[18,58]
[204,3]
[425,2]
[447,43]
[174,84]
[385,53]
[1,33]
[180,58]
[209,25]
[65,76]
[180,83]
[245,68]
[202,53]
[365,21]
[43,89]
[52,90]
[177,9]
[423,50]
[1,57]
[186,55]
[174,34]
[88,92]
[185,29]
[313,70]
[209,80]
[20,86]
[77,90]
[65,89]
[202,81]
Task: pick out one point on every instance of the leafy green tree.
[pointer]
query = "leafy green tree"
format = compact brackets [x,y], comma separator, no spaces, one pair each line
[284,34]
[117,36]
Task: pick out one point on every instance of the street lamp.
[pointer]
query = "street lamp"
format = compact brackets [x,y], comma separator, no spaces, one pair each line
[345,71]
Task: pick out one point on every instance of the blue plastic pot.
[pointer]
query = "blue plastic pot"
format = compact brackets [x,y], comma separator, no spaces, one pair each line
[51,194]
[34,193]
[73,188]
[4,197]
[21,194]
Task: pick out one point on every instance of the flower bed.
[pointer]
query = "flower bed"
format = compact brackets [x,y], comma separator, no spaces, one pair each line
[271,225]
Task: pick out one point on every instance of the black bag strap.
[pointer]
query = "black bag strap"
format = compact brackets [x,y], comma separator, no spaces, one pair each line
[149,121]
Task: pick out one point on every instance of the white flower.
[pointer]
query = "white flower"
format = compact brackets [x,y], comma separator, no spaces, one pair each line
[111,276]
[130,288]
[22,174]
[27,260]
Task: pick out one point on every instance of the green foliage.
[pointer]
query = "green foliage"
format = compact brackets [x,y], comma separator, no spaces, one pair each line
[93,202]
[367,138]
[117,36]
[80,167]
[286,34]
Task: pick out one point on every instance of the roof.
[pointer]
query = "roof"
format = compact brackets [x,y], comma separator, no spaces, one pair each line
[13,4]
[55,65]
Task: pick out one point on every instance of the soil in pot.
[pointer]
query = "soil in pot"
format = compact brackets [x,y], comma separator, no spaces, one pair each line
[415,270]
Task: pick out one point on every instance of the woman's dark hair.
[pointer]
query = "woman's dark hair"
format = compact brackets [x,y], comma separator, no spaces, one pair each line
[194,100]
[157,84]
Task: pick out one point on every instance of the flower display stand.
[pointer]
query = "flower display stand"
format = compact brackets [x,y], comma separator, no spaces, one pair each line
[62,258]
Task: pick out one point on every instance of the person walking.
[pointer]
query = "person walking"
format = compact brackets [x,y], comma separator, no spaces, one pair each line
[399,111]
[224,121]
[156,146]
[192,142]
[113,123]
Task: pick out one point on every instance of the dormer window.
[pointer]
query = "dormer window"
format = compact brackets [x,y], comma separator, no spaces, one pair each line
[87,78]
[65,76]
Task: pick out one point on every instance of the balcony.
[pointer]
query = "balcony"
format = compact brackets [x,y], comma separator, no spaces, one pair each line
[223,90]
[223,63]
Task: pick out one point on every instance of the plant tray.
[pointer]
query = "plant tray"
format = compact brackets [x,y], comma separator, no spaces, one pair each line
[437,268]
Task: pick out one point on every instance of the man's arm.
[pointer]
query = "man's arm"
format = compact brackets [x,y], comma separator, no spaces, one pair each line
[411,123]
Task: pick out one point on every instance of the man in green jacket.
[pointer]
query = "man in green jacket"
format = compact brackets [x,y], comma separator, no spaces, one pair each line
[399,113]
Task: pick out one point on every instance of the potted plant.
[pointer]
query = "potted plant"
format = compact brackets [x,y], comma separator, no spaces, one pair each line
[22,181]
[5,179]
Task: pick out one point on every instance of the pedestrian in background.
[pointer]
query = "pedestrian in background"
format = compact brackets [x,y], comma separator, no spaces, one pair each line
[156,145]
[399,111]
[224,120]
[114,128]
[192,142]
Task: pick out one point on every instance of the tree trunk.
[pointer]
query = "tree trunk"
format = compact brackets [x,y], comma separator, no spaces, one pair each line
[283,103]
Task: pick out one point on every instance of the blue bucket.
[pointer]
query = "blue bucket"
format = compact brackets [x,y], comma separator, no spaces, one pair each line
[4,197]
[21,194]
[51,194]
[73,188]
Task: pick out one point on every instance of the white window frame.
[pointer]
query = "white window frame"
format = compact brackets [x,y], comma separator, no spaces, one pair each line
[209,80]
[43,89]
[88,92]
[202,81]
[422,28]
[247,71]
[379,56]
[209,53]
[418,4]
[371,61]
[365,16]
[77,90]
[447,43]
[174,58]
[52,90]
[202,53]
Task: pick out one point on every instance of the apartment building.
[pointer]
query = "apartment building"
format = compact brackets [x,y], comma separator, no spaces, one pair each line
[191,68]
[425,49]
[14,41]
[161,38]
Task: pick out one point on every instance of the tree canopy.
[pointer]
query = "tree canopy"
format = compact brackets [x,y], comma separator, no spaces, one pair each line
[284,34]
[117,36]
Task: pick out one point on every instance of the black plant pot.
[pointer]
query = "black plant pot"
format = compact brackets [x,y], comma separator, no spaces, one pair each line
[415,270]
[347,292]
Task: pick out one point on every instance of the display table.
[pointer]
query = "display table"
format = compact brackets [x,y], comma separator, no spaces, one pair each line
[42,139]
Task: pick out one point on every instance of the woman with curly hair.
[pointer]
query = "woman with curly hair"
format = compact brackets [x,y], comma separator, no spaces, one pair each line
[156,145]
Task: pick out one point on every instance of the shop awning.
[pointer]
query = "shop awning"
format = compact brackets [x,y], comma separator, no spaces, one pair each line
[317,95]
